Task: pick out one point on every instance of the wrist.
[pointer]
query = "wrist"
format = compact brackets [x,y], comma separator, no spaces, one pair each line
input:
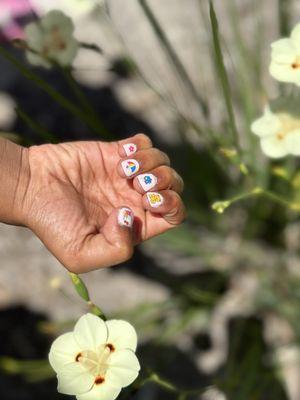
[14,181]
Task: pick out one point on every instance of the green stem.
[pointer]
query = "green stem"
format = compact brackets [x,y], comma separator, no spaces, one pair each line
[90,46]
[54,94]
[220,206]
[36,127]
[169,386]
[223,77]
[82,291]
[84,103]
[172,55]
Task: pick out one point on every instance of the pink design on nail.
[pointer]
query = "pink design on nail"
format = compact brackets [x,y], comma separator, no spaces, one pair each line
[130,148]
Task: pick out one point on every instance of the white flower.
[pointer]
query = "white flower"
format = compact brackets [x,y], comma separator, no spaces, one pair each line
[285,58]
[51,38]
[96,360]
[279,128]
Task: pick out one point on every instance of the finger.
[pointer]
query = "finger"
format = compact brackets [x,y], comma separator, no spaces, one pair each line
[158,179]
[142,161]
[167,203]
[112,246]
[133,144]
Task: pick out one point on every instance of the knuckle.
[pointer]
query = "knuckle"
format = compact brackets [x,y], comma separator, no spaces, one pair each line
[73,265]
[179,181]
[145,139]
[125,253]
[161,156]
[74,261]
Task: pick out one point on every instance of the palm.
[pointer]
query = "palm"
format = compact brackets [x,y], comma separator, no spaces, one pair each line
[77,191]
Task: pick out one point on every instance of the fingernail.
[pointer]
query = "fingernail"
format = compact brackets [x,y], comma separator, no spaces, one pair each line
[125,217]
[155,199]
[130,167]
[130,148]
[147,181]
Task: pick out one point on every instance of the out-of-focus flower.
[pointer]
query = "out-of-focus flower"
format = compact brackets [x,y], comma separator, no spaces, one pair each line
[74,8]
[285,58]
[279,128]
[96,360]
[55,282]
[51,38]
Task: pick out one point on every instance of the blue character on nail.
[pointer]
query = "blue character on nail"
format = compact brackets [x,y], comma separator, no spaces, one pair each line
[147,180]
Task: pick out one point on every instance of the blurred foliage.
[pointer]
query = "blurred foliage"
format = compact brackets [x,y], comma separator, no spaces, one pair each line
[253,236]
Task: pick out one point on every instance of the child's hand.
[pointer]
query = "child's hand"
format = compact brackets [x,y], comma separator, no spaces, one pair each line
[76,192]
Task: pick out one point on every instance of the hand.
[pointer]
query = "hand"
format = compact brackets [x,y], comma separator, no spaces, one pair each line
[75,192]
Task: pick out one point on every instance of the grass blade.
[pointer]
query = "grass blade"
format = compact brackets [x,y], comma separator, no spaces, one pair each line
[172,55]
[223,76]
[36,127]
[54,94]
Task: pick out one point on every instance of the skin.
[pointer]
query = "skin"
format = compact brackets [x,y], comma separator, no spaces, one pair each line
[70,194]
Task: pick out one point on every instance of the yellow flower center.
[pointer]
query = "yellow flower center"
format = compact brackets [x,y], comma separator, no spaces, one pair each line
[96,362]
[288,123]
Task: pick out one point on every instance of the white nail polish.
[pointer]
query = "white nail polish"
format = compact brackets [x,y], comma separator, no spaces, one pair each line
[130,148]
[125,217]
[147,181]
[155,199]
[130,167]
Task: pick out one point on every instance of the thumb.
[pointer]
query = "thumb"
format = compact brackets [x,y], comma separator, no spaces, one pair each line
[112,246]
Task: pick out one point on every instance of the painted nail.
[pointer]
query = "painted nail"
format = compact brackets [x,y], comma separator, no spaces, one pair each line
[130,167]
[125,217]
[130,148]
[147,181]
[155,199]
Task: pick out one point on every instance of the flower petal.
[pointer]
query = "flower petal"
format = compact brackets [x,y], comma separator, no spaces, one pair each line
[35,59]
[63,351]
[90,332]
[121,334]
[74,379]
[123,368]
[267,125]
[292,142]
[284,51]
[101,392]
[34,36]
[295,35]
[273,147]
[285,73]
[66,56]
[56,18]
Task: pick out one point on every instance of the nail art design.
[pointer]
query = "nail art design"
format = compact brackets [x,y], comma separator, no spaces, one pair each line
[155,199]
[147,181]
[130,148]
[130,167]
[125,217]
